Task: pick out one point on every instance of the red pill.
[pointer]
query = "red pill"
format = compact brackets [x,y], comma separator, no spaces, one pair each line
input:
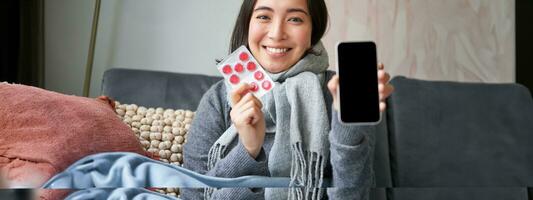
[255,87]
[239,68]
[226,69]
[267,85]
[243,56]
[259,75]
[234,79]
[251,66]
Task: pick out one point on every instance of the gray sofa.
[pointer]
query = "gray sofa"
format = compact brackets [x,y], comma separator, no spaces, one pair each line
[437,140]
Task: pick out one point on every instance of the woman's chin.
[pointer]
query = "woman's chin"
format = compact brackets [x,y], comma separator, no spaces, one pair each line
[276,69]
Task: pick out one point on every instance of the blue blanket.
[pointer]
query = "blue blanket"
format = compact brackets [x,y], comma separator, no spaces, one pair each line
[118,194]
[130,172]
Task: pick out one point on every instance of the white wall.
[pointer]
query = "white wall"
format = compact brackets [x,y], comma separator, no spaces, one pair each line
[456,40]
[166,35]
[67,33]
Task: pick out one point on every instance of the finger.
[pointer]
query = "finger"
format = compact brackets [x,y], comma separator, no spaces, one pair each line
[239,92]
[258,102]
[251,115]
[385,91]
[333,84]
[381,66]
[248,105]
[252,98]
[381,91]
[241,111]
[256,117]
[388,91]
[383,77]
[242,101]
[241,116]
[382,106]
[256,106]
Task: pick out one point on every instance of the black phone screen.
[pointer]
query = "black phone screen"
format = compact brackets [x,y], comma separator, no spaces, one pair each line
[358,82]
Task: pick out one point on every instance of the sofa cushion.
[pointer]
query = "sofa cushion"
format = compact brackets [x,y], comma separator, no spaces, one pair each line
[162,132]
[156,89]
[450,134]
[43,132]
[459,193]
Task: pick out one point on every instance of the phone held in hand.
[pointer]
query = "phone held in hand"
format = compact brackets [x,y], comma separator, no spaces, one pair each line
[358,93]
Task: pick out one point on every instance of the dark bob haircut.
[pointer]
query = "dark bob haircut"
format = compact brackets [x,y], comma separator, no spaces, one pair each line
[317,10]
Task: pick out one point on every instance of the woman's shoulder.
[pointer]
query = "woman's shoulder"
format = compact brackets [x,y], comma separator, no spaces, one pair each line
[215,95]
[215,101]
[217,89]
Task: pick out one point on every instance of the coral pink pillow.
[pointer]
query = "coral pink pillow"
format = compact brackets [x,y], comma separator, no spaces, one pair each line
[43,132]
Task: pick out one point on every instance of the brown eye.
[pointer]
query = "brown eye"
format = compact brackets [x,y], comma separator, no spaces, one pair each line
[296,19]
[262,17]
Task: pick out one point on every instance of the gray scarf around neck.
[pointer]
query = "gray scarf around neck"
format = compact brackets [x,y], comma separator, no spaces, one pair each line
[295,109]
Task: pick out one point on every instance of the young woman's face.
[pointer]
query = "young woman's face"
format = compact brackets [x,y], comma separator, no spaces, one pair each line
[280,33]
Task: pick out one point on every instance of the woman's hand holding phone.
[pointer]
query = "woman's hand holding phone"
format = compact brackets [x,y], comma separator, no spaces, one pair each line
[384,87]
[358,99]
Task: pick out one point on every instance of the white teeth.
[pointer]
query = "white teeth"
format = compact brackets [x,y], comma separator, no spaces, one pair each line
[276,50]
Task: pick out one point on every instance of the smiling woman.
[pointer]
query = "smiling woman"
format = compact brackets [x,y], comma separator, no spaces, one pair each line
[295,26]
[279,33]
[292,131]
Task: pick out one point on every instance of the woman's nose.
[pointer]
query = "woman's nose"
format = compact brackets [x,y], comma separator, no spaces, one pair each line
[277,31]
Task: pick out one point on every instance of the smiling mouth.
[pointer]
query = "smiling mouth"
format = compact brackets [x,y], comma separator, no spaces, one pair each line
[277,50]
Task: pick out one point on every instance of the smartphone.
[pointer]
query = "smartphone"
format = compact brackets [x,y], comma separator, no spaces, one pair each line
[358,93]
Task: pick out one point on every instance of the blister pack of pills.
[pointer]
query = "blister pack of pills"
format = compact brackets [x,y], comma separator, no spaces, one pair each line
[241,67]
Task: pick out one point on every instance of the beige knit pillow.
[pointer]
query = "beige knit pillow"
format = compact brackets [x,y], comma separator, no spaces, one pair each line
[160,131]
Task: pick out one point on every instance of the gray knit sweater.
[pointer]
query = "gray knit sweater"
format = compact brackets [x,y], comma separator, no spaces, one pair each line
[351,152]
